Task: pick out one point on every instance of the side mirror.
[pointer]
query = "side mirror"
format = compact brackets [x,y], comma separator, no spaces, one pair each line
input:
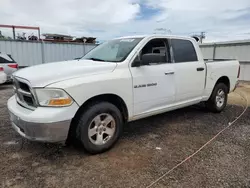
[136,63]
[152,58]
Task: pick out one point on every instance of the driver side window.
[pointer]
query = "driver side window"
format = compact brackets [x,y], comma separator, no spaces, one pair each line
[157,50]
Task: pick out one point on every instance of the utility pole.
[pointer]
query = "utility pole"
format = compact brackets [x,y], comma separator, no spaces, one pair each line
[202,36]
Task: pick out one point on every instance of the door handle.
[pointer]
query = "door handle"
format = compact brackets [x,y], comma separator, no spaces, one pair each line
[200,69]
[169,73]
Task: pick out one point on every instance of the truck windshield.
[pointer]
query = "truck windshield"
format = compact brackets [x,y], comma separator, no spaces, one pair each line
[115,50]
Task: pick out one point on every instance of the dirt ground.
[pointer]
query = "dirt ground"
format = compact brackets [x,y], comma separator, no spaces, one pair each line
[237,97]
[148,149]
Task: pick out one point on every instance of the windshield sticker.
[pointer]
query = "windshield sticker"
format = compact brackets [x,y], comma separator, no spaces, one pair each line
[127,40]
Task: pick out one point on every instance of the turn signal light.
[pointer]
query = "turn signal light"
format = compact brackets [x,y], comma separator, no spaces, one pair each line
[60,102]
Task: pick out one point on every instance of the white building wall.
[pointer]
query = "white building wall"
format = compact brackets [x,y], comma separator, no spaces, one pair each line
[245,71]
[28,53]
[239,50]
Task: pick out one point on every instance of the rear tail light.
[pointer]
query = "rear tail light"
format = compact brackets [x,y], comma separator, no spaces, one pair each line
[14,66]
[1,68]
[238,76]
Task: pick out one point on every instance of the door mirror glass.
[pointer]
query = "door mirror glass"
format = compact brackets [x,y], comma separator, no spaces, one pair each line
[137,62]
[153,58]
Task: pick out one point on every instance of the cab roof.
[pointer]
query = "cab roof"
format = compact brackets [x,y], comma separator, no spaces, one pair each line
[157,35]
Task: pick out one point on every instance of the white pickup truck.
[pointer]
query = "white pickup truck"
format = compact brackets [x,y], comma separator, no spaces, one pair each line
[119,81]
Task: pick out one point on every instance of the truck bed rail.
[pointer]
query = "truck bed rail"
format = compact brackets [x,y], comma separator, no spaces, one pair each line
[215,60]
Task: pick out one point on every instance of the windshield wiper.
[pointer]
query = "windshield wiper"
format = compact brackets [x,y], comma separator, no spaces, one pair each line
[95,59]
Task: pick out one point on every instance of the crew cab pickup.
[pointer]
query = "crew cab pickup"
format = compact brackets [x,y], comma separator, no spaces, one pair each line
[88,100]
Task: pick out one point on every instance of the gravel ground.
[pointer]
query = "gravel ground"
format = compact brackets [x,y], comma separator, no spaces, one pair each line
[148,149]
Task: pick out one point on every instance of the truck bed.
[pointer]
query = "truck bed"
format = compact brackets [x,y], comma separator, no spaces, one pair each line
[221,68]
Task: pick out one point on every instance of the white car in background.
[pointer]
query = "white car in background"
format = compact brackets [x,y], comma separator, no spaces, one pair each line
[3,76]
[9,65]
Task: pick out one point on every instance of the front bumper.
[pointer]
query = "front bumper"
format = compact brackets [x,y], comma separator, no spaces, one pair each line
[44,124]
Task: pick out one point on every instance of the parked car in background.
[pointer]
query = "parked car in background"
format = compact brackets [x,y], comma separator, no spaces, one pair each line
[9,65]
[119,81]
[3,76]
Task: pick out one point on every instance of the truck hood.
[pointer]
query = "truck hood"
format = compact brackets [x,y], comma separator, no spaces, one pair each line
[46,74]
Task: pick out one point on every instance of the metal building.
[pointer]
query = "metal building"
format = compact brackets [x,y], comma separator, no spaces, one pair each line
[239,50]
[28,53]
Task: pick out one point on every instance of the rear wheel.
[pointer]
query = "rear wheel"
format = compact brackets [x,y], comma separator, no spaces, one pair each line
[99,127]
[218,100]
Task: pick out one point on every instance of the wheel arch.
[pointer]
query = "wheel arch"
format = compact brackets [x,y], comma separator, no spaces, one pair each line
[112,98]
[225,80]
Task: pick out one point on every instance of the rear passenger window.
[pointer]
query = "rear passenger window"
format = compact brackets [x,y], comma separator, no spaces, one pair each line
[183,51]
[4,58]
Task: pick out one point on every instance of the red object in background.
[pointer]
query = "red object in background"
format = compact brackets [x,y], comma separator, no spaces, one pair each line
[14,66]
[1,68]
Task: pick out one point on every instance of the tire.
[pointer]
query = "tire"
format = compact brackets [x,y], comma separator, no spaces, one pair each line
[218,100]
[93,129]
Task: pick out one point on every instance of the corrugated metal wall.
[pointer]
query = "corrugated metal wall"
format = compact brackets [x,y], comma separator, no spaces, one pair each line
[28,53]
[245,71]
[207,51]
[239,50]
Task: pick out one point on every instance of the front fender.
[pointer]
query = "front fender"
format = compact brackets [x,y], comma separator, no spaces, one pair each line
[117,83]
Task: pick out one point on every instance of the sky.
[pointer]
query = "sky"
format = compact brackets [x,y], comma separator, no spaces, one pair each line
[221,20]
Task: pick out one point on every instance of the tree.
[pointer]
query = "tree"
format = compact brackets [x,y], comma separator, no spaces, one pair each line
[2,37]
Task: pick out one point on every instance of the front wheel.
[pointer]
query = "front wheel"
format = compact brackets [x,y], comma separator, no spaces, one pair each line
[99,127]
[218,100]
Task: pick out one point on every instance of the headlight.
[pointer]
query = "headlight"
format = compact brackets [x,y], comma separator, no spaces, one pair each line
[53,97]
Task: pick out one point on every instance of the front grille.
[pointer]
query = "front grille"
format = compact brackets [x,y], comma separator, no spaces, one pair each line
[28,100]
[24,93]
[24,87]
